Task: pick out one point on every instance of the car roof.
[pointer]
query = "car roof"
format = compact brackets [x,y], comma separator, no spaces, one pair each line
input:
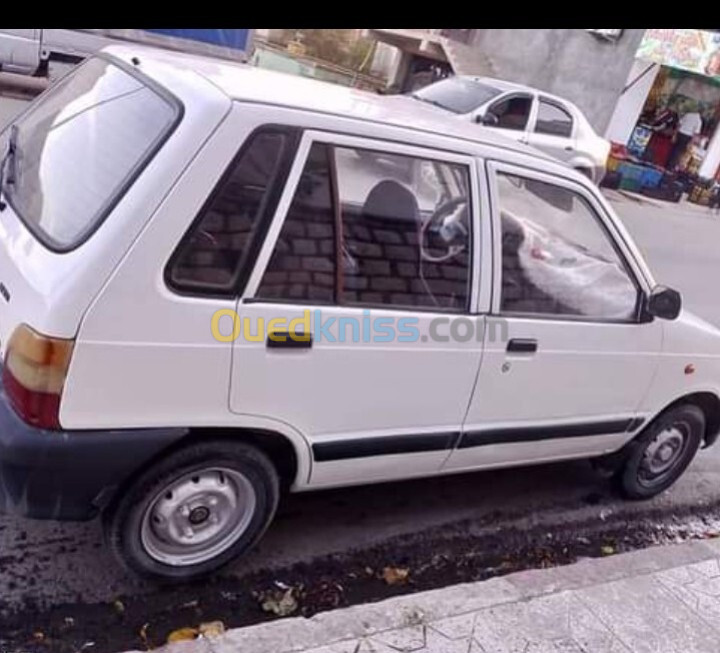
[501,84]
[246,83]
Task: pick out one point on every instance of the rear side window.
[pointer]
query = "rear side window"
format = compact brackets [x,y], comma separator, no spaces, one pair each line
[215,251]
[372,228]
[405,231]
[553,120]
[79,147]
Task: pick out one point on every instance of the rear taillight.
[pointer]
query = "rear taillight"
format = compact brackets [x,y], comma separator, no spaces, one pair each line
[34,375]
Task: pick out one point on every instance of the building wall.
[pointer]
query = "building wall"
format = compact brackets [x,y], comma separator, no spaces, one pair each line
[571,63]
[385,60]
[630,104]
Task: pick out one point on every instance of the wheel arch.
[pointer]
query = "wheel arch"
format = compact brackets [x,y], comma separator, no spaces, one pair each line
[709,403]
[585,167]
[291,462]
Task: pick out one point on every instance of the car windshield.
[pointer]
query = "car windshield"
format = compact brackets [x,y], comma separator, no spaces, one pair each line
[77,148]
[457,94]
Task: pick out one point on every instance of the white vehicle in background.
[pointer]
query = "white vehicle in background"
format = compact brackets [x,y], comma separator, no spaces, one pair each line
[32,51]
[526,114]
[32,59]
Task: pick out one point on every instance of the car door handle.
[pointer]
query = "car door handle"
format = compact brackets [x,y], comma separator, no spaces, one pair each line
[283,338]
[522,345]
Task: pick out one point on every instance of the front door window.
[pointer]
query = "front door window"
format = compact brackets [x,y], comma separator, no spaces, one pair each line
[512,112]
[557,260]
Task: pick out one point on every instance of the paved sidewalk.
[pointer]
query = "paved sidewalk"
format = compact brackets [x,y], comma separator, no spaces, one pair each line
[659,600]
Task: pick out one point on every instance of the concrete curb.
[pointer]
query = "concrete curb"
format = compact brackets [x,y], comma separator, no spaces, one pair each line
[297,633]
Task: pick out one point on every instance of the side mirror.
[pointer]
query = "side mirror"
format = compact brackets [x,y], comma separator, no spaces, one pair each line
[489,119]
[664,303]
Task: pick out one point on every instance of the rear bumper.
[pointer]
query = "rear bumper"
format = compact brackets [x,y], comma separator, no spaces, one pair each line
[69,475]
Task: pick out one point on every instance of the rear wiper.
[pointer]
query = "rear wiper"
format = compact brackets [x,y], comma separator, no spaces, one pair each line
[8,163]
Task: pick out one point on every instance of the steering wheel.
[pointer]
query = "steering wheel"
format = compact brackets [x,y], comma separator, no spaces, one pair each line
[450,221]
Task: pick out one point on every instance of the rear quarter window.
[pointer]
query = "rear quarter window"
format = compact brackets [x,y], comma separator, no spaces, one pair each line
[217,252]
[81,145]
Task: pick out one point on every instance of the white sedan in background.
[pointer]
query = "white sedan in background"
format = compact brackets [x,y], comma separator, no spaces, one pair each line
[525,114]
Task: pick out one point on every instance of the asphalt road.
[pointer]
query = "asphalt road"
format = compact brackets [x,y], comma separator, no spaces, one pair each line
[53,563]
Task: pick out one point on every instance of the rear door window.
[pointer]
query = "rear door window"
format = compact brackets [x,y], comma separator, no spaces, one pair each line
[79,148]
[376,229]
[553,119]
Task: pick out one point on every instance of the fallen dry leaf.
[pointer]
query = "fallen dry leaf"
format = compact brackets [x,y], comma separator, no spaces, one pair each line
[144,637]
[182,635]
[395,575]
[212,629]
[280,603]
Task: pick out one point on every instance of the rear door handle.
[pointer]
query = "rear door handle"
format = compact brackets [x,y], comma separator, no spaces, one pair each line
[522,345]
[283,338]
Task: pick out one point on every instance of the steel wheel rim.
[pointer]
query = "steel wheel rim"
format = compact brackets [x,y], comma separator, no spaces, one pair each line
[197,516]
[663,454]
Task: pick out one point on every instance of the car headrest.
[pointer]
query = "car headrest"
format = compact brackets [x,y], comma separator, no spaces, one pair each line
[390,199]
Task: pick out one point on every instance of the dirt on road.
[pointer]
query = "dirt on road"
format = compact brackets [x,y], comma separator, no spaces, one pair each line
[462,552]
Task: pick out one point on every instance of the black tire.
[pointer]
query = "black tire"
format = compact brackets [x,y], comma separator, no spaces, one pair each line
[125,520]
[641,476]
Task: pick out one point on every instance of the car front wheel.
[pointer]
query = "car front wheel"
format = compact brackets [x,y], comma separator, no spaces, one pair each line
[663,452]
[194,511]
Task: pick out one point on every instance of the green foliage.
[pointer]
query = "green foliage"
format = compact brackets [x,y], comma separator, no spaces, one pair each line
[343,47]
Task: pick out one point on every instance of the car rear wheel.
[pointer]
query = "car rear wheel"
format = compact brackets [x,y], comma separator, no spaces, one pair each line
[194,511]
[663,452]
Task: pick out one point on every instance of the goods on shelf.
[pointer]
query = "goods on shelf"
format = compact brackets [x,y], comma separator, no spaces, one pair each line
[629,172]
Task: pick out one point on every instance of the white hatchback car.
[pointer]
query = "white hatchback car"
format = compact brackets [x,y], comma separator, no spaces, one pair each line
[548,122]
[217,282]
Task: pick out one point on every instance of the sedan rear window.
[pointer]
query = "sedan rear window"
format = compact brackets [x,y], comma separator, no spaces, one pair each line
[78,148]
[457,94]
